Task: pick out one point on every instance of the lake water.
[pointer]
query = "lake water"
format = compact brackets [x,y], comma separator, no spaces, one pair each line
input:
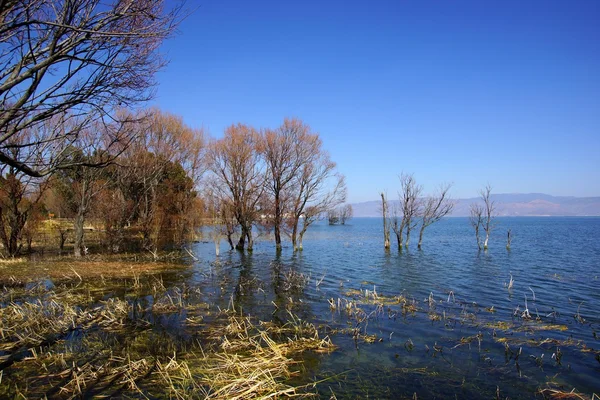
[439,322]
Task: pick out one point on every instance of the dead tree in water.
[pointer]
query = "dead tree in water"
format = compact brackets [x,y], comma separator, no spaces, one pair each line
[435,208]
[346,213]
[489,213]
[508,239]
[476,220]
[410,205]
[386,221]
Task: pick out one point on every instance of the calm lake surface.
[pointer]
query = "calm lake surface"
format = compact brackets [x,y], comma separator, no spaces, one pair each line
[440,322]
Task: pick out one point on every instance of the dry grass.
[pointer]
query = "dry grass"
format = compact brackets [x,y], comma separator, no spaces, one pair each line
[249,361]
[237,358]
[21,270]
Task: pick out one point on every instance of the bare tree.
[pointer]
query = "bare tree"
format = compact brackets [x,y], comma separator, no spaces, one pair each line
[410,206]
[333,216]
[20,208]
[476,220]
[435,208]
[239,177]
[74,62]
[385,213]
[314,203]
[397,223]
[82,182]
[346,212]
[281,149]
[316,189]
[489,213]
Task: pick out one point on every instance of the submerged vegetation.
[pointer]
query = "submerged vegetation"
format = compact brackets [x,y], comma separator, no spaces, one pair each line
[67,341]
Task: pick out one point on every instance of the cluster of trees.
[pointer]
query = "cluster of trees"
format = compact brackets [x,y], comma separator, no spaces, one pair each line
[279,179]
[69,68]
[413,211]
[340,214]
[74,143]
[150,184]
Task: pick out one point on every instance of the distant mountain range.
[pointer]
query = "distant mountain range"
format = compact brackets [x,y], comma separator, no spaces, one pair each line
[518,204]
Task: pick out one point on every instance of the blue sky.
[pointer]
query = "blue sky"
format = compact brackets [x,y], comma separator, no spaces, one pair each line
[469,92]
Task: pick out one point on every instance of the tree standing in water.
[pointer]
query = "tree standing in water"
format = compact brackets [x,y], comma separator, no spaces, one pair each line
[435,208]
[489,213]
[386,221]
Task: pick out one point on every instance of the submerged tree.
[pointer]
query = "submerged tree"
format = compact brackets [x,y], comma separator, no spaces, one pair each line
[239,177]
[333,216]
[476,220]
[318,188]
[74,63]
[435,208]
[346,213]
[340,215]
[385,213]
[281,150]
[489,213]
[409,206]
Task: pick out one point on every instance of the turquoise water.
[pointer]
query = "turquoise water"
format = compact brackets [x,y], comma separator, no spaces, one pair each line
[468,336]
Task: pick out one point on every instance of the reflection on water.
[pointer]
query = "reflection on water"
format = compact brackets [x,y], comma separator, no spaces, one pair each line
[438,322]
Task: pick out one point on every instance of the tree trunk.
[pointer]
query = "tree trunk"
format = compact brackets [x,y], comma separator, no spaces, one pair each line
[295,234]
[241,245]
[485,243]
[250,239]
[386,227]
[78,232]
[277,222]
[421,236]
[300,237]
[408,229]
[229,239]
[217,246]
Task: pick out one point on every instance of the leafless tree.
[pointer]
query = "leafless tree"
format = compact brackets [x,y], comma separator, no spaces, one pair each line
[316,189]
[346,212]
[321,192]
[435,208]
[476,220]
[333,216]
[82,182]
[385,213]
[397,224]
[281,149]
[239,177]
[20,207]
[74,62]
[410,206]
[489,213]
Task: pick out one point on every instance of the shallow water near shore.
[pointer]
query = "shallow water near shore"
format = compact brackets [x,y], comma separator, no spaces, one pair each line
[439,322]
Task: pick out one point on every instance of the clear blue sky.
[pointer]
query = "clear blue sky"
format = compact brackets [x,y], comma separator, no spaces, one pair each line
[470,92]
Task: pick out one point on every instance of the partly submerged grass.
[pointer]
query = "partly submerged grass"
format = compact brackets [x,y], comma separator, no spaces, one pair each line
[57,343]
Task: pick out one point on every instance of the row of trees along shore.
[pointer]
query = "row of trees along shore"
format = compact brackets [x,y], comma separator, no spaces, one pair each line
[169,179]
[77,143]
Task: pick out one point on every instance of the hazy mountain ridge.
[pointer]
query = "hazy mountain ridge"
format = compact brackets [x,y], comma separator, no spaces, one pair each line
[509,204]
